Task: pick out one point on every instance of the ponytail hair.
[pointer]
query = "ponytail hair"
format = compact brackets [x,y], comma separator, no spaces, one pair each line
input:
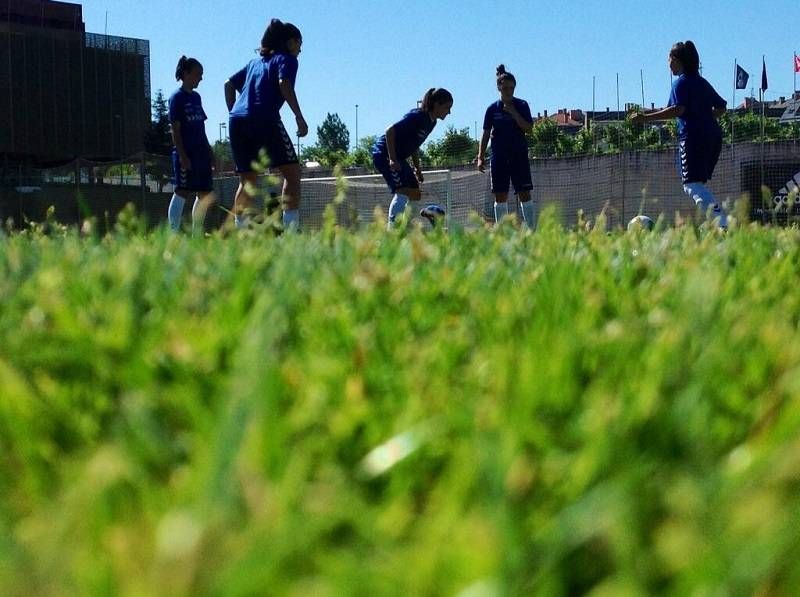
[435,96]
[186,65]
[503,75]
[277,36]
[686,53]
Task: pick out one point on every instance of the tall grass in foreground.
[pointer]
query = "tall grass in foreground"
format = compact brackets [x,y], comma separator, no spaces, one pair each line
[480,413]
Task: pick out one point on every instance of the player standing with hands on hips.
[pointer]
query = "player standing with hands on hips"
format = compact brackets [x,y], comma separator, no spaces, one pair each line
[402,140]
[506,122]
[697,106]
[255,121]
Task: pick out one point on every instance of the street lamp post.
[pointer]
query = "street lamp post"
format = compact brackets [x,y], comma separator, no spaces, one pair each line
[356,143]
[118,120]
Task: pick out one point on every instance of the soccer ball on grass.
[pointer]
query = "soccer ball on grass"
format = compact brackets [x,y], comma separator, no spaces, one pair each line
[640,222]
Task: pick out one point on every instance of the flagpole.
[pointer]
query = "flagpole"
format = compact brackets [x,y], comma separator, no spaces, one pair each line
[762,98]
[733,105]
[594,115]
[641,79]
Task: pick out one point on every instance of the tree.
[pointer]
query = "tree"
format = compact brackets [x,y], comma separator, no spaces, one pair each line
[362,154]
[543,138]
[223,157]
[157,139]
[455,147]
[158,142]
[332,135]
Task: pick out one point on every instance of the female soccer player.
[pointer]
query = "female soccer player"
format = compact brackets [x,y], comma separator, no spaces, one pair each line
[697,106]
[192,154]
[402,140]
[255,121]
[506,122]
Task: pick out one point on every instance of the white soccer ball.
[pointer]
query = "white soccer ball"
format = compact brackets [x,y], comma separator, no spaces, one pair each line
[640,222]
[433,213]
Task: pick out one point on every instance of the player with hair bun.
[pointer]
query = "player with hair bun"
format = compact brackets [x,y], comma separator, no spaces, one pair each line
[697,106]
[192,155]
[401,141]
[506,121]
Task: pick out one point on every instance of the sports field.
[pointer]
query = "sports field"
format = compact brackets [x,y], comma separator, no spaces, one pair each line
[478,413]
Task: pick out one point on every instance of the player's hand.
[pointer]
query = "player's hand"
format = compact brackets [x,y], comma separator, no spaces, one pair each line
[481,162]
[186,163]
[418,174]
[394,166]
[637,118]
[302,127]
[510,108]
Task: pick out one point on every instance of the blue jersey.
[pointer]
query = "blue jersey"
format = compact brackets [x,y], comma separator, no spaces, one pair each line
[698,97]
[258,86]
[186,108]
[507,137]
[409,135]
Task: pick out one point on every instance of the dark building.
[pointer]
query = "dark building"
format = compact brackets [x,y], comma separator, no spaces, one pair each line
[65,93]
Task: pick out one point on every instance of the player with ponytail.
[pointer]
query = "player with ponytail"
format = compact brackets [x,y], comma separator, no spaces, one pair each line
[401,141]
[697,106]
[192,155]
[255,121]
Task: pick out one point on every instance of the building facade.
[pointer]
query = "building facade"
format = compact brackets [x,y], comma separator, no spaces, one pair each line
[65,93]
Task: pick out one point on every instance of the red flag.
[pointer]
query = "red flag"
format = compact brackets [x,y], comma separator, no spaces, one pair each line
[796,63]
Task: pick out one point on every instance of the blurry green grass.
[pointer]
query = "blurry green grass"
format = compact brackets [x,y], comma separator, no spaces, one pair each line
[480,413]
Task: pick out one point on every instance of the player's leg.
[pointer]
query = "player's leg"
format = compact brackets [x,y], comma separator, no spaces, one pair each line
[283,157]
[291,195]
[179,195]
[523,184]
[500,172]
[529,212]
[403,185]
[697,163]
[202,203]
[408,189]
[706,202]
[245,147]
[203,189]
[243,200]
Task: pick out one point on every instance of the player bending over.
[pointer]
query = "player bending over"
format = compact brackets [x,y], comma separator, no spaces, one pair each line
[402,140]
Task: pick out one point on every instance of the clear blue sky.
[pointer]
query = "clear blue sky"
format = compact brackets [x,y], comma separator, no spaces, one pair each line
[383,55]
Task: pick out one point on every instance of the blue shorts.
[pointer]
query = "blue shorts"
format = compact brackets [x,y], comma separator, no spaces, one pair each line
[510,169]
[698,158]
[199,179]
[249,137]
[403,178]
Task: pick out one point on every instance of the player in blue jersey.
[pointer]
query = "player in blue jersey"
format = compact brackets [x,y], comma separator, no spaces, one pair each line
[402,141]
[505,123]
[697,107]
[264,85]
[192,155]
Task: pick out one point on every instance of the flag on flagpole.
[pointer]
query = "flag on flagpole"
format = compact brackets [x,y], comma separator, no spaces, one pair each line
[764,85]
[742,76]
[796,63]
